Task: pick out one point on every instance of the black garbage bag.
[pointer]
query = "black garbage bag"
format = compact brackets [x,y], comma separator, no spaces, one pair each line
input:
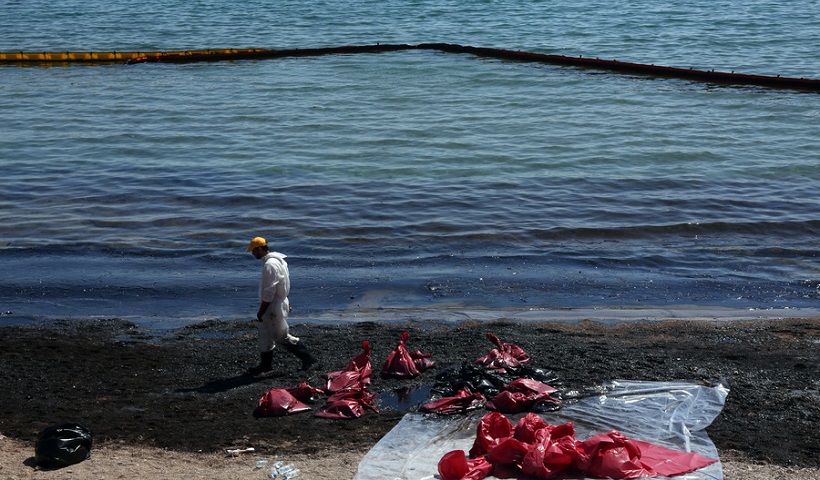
[62,445]
[487,381]
[475,378]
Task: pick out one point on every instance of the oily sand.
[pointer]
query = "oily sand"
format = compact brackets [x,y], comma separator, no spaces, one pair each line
[170,406]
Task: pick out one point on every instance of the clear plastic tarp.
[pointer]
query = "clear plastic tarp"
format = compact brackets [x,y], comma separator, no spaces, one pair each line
[670,414]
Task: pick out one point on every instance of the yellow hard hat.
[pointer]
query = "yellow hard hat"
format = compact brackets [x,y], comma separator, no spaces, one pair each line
[257,242]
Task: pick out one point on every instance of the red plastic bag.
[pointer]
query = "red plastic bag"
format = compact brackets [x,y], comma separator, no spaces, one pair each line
[278,403]
[355,375]
[528,385]
[492,429]
[304,392]
[670,463]
[463,400]
[521,395]
[403,364]
[423,361]
[455,466]
[612,455]
[506,355]
[509,452]
[552,451]
[527,427]
[343,380]
[347,404]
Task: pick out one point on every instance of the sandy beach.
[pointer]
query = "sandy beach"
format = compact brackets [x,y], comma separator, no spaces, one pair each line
[171,405]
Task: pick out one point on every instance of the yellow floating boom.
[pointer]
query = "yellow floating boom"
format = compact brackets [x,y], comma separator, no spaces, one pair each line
[113,57]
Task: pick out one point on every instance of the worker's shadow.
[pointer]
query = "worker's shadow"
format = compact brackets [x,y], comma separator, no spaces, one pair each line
[225,384]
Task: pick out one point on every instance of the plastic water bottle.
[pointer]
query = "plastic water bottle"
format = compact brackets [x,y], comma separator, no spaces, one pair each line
[283,471]
[262,466]
[291,474]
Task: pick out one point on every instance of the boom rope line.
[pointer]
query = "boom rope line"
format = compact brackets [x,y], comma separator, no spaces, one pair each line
[190,56]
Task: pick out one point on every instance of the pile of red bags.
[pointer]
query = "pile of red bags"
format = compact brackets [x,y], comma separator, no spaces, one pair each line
[544,451]
[348,395]
[519,395]
[347,389]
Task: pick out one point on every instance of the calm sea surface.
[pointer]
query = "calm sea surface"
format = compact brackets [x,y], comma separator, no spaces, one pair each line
[408,181]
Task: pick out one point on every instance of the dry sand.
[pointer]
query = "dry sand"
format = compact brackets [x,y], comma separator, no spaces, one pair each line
[151,463]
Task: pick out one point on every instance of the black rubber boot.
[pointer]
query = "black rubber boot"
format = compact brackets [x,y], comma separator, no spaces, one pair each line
[302,353]
[265,364]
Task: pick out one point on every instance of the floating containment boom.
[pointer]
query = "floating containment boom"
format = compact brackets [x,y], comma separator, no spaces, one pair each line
[189,56]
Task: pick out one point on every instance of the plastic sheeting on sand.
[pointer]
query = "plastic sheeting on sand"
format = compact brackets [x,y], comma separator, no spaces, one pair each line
[670,414]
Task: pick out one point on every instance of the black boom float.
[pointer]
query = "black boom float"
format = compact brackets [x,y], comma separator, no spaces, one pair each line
[189,56]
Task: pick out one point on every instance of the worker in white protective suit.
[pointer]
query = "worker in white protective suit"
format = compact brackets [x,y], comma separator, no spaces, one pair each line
[274,307]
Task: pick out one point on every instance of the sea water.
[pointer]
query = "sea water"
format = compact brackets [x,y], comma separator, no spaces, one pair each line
[411,181]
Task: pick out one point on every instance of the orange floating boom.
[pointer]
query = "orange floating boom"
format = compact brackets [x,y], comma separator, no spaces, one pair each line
[215,55]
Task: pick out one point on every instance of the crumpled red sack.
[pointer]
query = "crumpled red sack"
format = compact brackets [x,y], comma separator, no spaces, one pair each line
[492,429]
[521,395]
[348,404]
[552,448]
[422,361]
[504,356]
[612,455]
[304,392]
[546,451]
[355,375]
[463,400]
[278,402]
[456,466]
[670,463]
[402,364]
